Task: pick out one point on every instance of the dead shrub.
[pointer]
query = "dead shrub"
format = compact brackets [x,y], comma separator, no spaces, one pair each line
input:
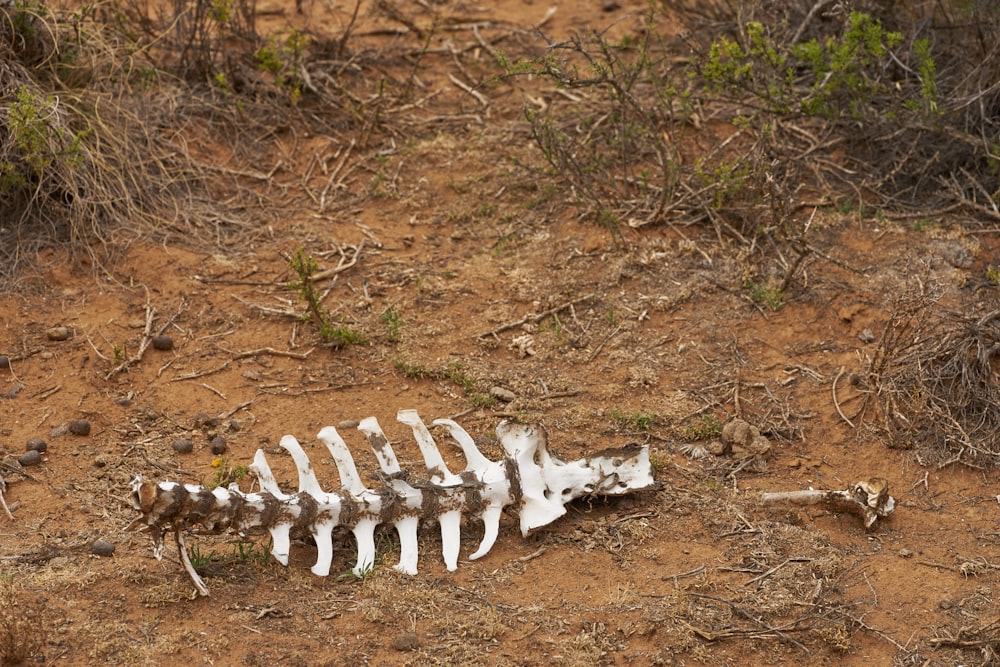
[935,383]
[79,152]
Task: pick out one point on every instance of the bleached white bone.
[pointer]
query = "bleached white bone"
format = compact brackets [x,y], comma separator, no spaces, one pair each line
[529,477]
[368,504]
[410,499]
[450,492]
[432,456]
[328,506]
[495,490]
[539,506]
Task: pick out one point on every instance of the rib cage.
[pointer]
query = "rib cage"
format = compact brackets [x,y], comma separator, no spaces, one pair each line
[529,478]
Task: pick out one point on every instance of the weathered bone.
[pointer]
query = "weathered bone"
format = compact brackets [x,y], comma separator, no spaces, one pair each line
[530,478]
[870,500]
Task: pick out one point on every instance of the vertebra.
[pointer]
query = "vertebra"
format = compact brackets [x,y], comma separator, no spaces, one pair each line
[530,479]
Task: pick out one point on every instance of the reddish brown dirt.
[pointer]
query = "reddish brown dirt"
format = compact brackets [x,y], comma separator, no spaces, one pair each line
[458,242]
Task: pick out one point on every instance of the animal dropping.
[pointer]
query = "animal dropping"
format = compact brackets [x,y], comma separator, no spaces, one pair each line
[530,479]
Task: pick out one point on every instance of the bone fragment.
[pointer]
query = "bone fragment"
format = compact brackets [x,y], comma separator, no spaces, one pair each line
[3,503]
[529,478]
[870,500]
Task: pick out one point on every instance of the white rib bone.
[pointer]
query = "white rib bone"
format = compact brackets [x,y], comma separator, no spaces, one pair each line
[495,490]
[349,477]
[409,498]
[368,503]
[327,510]
[281,543]
[432,457]
[450,494]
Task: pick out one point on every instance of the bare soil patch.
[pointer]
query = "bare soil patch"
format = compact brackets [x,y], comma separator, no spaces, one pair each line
[466,270]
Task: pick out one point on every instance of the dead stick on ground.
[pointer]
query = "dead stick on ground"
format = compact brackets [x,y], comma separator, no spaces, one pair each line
[836,403]
[342,266]
[3,503]
[274,353]
[536,318]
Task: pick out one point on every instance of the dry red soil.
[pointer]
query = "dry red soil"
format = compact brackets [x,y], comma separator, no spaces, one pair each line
[440,240]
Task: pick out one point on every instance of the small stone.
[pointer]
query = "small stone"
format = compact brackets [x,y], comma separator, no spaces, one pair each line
[36,445]
[348,424]
[163,343]
[218,445]
[102,548]
[406,641]
[501,394]
[57,333]
[31,458]
[905,553]
[79,427]
[59,431]
[4,361]
[203,421]
[182,446]
[866,336]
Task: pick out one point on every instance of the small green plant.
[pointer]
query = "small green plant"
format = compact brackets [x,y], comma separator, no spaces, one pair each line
[337,336]
[282,57]
[201,559]
[766,295]
[636,421]
[226,474]
[925,225]
[993,276]
[453,372]
[393,324]
[701,428]
[253,552]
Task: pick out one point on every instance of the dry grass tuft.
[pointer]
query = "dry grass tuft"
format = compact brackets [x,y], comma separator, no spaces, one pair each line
[934,378]
[20,637]
[80,157]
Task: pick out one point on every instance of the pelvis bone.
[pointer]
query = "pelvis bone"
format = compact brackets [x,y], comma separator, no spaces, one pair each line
[529,479]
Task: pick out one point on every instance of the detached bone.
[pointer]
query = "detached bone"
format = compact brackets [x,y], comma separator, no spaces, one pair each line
[530,478]
[870,500]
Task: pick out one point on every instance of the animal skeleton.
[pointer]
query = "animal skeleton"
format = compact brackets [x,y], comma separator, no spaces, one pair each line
[529,478]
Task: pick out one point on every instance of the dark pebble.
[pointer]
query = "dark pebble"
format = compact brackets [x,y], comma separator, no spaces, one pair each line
[406,641]
[79,427]
[36,445]
[201,420]
[219,445]
[4,361]
[102,548]
[163,343]
[182,446]
[31,458]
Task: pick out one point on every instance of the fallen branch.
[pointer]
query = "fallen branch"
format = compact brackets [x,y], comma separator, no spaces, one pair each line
[531,319]
[870,500]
